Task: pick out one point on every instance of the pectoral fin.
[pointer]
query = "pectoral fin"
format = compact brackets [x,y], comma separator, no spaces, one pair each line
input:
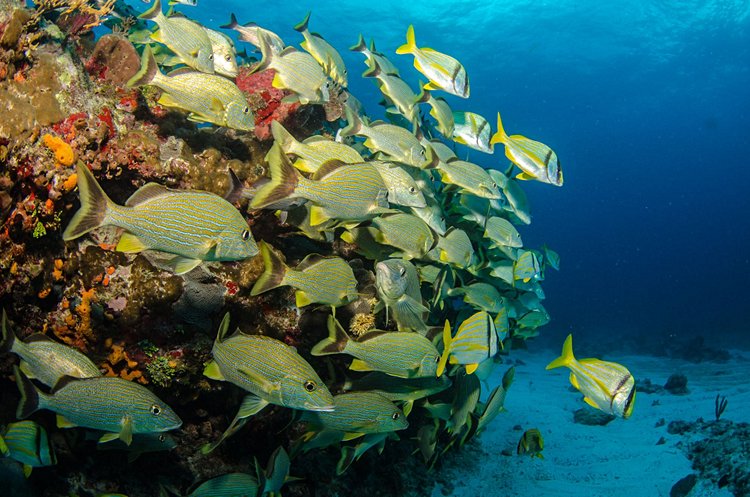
[524,176]
[27,469]
[470,368]
[126,434]
[302,299]
[108,437]
[360,365]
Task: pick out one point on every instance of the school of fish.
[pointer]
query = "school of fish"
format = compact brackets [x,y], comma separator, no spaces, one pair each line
[453,283]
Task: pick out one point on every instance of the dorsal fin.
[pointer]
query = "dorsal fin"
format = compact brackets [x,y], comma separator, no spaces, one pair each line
[287,50]
[372,334]
[327,168]
[39,337]
[145,193]
[221,335]
[308,261]
[63,382]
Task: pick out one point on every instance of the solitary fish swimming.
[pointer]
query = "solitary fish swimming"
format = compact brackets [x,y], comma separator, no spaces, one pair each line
[193,225]
[606,386]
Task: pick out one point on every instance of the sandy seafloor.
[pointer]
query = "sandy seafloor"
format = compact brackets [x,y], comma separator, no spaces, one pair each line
[619,459]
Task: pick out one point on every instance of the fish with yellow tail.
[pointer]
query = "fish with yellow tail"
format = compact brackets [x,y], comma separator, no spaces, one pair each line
[444,72]
[536,160]
[318,279]
[209,98]
[193,225]
[531,444]
[27,443]
[327,56]
[475,341]
[606,386]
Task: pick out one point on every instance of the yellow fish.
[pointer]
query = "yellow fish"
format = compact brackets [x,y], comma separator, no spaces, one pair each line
[607,386]
[536,160]
[531,443]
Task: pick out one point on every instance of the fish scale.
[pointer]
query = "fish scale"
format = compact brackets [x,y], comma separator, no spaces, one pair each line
[322,281]
[363,412]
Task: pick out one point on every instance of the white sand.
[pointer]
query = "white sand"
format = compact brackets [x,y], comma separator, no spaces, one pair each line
[619,459]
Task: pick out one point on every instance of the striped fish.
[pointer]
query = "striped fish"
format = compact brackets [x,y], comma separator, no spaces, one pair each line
[469,178]
[119,407]
[208,98]
[406,390]
[606,386]
[394,141]
[372,57]
[397,91]
[327,56]
[141,444]
[267,368]
[402,189]
[347,192]
[472,130]
[27,443]
[444,72]
[46,360]
[296,71]
[475,341]
[454,248]
[443,114]
[481,295]
[535,159]
[397,285]
[228,485]
[501,232]
[184,37]
[502,325]
[251,33]
[400,354]
[224,54]
[526,268]
[406,232]
[358,413]
[432,213]
[443,151]
[193,225]
[518,203]
[317,279]
[313,152]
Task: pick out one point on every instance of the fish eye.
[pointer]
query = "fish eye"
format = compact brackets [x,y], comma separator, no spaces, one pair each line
[211,57]
[155,410]
[421,152]
[494,185]
[402,271]
[310,386]
[162,437]
[437,359]
[412,190]
[228,58]
[246,110]
[246,234]
[395,416]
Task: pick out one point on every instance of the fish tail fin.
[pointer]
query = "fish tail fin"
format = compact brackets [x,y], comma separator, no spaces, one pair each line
[411,43]
[302,27]
[273,274]
[423,97]
[8,337]
[284,179]
[265,52]
[95,205]
[283,137]
[361,45]
[500,136]
[29,402]
[373,71]
[447,339]
[336,341]
[353,123]
[153,12]
[148,71]
[232,22]
[566,358]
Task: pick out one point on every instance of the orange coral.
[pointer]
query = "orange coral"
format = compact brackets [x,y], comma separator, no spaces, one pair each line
[63,152]
[71,182]
[57,273]
[84,313]
[118,363]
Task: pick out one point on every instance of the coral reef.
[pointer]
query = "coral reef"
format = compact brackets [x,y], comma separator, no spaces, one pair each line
[677,384]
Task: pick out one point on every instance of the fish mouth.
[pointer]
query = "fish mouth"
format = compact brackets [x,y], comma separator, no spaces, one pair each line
[313,407]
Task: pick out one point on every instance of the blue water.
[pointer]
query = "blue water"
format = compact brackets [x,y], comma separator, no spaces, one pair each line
[647,105]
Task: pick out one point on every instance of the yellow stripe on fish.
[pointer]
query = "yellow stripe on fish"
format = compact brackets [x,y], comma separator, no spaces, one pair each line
[327,56]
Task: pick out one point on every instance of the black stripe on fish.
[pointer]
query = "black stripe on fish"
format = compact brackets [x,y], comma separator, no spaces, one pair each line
[619,386]
[547,158]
